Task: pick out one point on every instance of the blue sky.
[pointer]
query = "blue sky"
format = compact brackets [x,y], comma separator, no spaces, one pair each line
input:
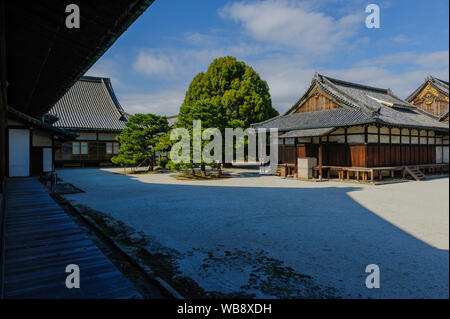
[285,41]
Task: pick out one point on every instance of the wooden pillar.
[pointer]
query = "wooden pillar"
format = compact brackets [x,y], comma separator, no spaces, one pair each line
[428,156]
[410,146]
[401,148]
[390,147]
[296,157]
[3,98]
[346,160]
[366,134]
[378,146]
[320,158]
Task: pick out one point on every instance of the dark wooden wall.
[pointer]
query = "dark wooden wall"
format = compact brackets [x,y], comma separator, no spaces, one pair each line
[361,155]
[96,152]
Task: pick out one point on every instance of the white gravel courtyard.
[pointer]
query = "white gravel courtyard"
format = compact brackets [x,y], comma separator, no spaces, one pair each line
[275,238]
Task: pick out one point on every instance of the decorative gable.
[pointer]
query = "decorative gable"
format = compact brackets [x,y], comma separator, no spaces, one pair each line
[316,100]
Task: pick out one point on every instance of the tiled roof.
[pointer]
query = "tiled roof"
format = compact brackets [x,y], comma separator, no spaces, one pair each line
[172,120]
[361,105]
[318,119]
[90,104]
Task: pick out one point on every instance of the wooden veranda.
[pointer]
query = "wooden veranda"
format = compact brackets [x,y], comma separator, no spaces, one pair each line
[40,240]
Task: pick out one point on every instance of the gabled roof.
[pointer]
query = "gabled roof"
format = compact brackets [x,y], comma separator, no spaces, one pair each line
[440,85]
[361,104]
[90,104]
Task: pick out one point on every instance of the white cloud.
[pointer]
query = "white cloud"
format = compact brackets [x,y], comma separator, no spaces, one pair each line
[165,102]
[180,65]
[401,38]
[438,59]
[294,25]
[108,68]
[288,79]
[151,63]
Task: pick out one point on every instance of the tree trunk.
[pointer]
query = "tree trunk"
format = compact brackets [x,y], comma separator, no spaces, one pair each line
[152,162]
[203,168]
[193,171]
[220,171]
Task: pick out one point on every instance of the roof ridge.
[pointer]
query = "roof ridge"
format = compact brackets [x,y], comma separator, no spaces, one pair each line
[357,85]
[365,108]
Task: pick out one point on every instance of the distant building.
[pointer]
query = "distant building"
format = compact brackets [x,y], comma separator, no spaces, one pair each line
[32,143]
[432,97]
[90,109]
[354,129]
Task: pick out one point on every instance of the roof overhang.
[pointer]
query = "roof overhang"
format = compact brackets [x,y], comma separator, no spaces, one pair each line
[309,132]
[44,58]
[33,122]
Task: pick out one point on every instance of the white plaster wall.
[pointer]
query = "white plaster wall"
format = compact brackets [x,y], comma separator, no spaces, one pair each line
[395,139]
[372,129]
[41,138]
[445,159]
[339,139]
[355,138]
[439,154]
[355,129]
[372,138]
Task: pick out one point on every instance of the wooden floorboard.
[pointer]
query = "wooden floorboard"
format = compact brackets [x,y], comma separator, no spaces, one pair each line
[40,240]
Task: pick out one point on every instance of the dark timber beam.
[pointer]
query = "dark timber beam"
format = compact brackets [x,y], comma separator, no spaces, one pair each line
[320,158]
[3,101]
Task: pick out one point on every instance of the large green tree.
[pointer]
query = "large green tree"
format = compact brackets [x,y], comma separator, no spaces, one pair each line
[238,91]
[138,139]
[209,115]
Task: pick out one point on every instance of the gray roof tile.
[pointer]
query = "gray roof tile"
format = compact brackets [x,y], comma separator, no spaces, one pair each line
[90,104]
[364,104]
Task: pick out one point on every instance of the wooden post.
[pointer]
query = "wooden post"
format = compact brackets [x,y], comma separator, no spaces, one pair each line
[410,146]
[378,146]
[320,158]
[390,146]
[3,97]
[296,157]
[401,148]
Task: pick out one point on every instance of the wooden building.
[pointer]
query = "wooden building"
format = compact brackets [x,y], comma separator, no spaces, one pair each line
[31,144]
[360,131]
[432,97]
[91,110]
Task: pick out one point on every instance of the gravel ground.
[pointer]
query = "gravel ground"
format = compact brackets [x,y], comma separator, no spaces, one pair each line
[264,236]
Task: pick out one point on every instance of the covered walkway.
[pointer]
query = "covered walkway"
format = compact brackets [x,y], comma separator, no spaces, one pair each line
[40,240]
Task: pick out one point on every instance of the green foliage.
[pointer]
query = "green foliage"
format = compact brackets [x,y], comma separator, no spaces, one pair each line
[138,139]
[238,91]
[210,117]
[163,162]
